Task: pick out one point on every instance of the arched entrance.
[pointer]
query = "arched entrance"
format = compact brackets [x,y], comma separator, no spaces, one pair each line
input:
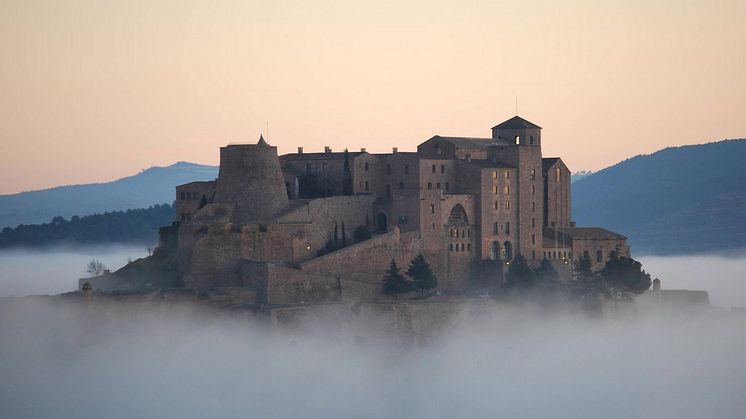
[508,251]
[382,223]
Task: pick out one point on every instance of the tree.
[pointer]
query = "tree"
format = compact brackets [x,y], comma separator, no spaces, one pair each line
[347,185]
[361,233]
[546,274]
[95,268]
[421,274]
[587,284]
[624,277]
[519,275]
[394,282]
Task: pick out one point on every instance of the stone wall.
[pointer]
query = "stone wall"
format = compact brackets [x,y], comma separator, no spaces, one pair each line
[557,205]
[190,198]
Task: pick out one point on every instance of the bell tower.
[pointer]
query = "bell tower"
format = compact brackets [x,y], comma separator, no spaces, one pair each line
[518,131]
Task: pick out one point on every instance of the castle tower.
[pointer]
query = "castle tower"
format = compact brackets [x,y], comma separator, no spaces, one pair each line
[517,142]
[250,177]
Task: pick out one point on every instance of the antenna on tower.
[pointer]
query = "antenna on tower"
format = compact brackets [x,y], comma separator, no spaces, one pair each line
[516,105]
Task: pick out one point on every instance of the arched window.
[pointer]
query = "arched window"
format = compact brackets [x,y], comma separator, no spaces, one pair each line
[517,139]
[457,216]
[508,251]
[462,247]
[451,247]
[533,174]
[495,251]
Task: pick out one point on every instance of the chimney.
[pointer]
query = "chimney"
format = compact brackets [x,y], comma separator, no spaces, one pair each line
[363,150]
[395,150]
[327,149]
[300,150]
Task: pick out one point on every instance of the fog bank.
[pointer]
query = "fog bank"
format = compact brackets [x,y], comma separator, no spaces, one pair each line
[57,270]
[77,361]
[723,276]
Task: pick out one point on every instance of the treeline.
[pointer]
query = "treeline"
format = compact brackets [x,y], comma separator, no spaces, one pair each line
[131,226]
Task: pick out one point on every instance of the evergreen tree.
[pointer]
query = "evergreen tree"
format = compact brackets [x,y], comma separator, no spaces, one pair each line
[421,274]
[586,284]
[347,185]
[519,274]
[624,277]
[394,282]
[546,274]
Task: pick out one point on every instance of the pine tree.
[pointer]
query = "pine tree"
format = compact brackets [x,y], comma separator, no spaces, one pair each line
[586,284]
[519,274]
[347,185]
[546,273]
[421,274]
[394,282]
[624,277]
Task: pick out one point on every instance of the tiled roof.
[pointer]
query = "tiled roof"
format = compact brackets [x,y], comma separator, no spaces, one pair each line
[516,122]
[471,142]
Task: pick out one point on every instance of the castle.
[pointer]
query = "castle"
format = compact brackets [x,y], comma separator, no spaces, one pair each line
[322,227]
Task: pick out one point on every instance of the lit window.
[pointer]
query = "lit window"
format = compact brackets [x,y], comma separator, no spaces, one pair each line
[507,190]
[507,205]
[533,174]
[507,174]
[517,139]
[432,208]
[494,175]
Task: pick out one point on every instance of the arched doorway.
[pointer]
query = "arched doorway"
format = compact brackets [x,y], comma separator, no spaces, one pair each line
[495,251]
[382,224]
[508,251]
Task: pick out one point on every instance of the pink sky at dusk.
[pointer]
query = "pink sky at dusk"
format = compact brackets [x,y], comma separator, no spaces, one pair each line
[95,90]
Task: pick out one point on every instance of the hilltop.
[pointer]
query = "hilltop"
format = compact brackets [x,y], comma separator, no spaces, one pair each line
[687,199]
[150,187]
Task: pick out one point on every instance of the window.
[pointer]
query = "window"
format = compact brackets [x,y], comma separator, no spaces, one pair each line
[429,185]
[367,185]
[401,185]
[457,233]
[462,233]
[442,168]
[531,140]
[366,166]
[432,208]
[517,139]
[533,206]
[495,188]
[403,219]
[462,247]
[585,254]
[388,190]
[406,169]
[433,227]
[448,186]
[507,174]
[599,256]
[507,190]
[437,185]
[507,228]
[507,205]
[533,174]
[451,246]
[533,239]
[533,189]
[494,228]
[494,175]
[434,169]
[533,254]
[533,223]
[388,169]
[468,232]
[496,205]
[450,232]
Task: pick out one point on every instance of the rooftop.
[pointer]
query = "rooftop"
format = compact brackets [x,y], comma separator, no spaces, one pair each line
[516,122]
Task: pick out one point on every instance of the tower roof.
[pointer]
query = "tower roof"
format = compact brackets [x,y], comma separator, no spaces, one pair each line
[516,122]
[261,141]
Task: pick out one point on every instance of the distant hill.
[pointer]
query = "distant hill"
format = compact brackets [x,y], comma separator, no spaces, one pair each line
[678,200]
[580,175]
[131,226]
[149,187]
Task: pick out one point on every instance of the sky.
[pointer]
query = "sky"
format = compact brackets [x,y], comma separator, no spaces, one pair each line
[97,90]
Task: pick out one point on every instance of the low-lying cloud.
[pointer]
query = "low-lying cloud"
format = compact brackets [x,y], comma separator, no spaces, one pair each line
[77,360]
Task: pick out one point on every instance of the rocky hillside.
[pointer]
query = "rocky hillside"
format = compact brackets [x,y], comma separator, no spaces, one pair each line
[686,199]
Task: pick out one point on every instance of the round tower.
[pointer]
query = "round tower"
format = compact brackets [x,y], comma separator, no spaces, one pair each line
[250,177]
